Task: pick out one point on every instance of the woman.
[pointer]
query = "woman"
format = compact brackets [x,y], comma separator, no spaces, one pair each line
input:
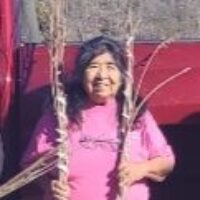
[95,99]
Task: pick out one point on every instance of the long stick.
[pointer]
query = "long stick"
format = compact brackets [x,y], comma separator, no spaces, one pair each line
[128,106]
[49,161]
[58,35]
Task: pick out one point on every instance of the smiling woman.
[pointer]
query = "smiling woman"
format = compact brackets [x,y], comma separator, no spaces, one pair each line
[95,100]
[102,78]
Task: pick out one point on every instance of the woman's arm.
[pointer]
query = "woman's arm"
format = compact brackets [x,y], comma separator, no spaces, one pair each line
[158,168]
[42,140]
[155,169]
[160,161]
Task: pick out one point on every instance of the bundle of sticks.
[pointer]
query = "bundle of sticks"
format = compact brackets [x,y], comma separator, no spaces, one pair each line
[58,157]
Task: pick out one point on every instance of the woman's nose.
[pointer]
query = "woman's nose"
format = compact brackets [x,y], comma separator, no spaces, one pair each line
[103,72]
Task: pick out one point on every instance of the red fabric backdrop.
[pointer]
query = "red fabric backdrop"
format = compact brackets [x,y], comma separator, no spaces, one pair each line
[177,102]
[6,55]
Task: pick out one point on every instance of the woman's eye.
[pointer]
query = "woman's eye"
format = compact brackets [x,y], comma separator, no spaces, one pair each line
[111,67]
[92,66]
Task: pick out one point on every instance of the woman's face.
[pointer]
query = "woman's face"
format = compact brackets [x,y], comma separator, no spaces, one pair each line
[102,78]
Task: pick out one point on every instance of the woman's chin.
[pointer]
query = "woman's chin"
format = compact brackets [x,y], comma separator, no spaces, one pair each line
[101,99]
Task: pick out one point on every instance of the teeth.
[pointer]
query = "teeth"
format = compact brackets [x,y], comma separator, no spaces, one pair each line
[100,84]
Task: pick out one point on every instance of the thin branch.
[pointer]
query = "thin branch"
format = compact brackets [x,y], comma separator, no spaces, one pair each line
[164,44]
[156,88]
[43,165]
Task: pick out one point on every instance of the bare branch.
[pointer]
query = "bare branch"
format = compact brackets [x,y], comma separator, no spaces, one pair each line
[158,87]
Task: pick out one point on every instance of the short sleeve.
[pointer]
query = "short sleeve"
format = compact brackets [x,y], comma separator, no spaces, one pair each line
[42,140]
[155,141]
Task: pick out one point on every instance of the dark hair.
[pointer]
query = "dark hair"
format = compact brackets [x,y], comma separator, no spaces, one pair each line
[77,96]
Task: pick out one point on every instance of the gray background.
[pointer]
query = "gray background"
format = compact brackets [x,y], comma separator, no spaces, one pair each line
[87,18]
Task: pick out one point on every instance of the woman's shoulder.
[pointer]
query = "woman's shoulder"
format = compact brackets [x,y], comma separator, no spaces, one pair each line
[143,116]
[146,117]
[146,120]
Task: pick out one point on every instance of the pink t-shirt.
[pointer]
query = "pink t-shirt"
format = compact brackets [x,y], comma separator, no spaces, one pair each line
[94,152]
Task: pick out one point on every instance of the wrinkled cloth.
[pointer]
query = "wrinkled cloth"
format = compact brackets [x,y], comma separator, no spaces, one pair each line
[94,152]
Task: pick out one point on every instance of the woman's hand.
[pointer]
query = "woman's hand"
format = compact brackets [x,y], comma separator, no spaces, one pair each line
[131,172]
[155,169]
[60,190]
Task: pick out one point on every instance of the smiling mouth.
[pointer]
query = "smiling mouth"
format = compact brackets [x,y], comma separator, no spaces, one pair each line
[99,84]
[99,87]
